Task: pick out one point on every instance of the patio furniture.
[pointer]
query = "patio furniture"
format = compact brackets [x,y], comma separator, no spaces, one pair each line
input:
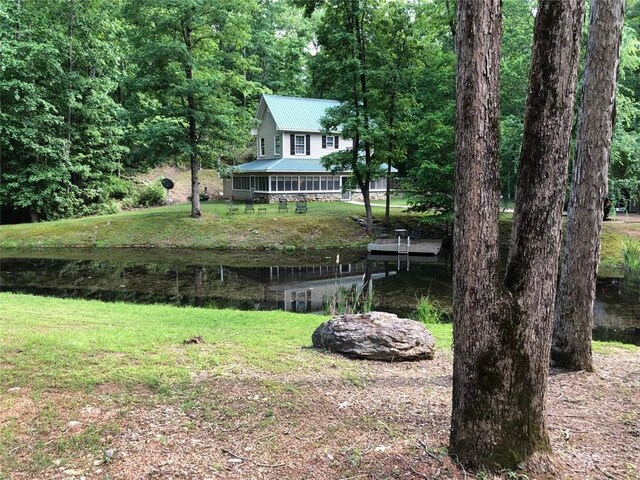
[282,205]
[233,208]
[248,206]
[301,205]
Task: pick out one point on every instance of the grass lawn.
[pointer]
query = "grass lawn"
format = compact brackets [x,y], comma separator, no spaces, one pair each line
[325,225]
[81,378]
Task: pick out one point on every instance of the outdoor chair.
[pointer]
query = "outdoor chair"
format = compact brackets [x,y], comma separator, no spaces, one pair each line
[282,205]
[248,206]
[301,206]
[233,208]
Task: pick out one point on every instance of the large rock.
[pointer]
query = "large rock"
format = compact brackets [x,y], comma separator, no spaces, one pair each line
[375,336]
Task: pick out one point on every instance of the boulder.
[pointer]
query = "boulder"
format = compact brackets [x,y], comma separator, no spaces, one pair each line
[375,336]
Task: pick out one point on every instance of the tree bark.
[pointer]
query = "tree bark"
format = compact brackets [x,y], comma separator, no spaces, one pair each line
[571,348]
[476,309]
[502,332]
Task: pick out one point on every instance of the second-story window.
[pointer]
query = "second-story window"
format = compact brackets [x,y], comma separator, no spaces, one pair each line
[262,152]
[330,141]
[276,145]
[300,145]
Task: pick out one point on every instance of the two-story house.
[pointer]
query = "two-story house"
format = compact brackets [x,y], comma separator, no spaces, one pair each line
[290,144]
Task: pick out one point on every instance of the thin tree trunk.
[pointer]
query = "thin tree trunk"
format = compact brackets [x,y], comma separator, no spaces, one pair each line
[193,132]
[71,20]
[362,56]
[387,206]
[503,332]
[571,347]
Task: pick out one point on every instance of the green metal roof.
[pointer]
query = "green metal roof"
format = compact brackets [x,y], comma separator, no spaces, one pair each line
[298,114]
[313,165]
[289,164]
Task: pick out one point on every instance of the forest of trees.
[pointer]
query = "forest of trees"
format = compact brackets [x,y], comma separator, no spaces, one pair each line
[92,92]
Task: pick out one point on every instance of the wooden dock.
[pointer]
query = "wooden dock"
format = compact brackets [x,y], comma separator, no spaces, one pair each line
[405,246]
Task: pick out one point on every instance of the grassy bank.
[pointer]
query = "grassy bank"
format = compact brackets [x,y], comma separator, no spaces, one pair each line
[325,225]
[79,344]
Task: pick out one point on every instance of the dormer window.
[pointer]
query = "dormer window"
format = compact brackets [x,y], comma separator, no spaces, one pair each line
[262,149]
[276,145]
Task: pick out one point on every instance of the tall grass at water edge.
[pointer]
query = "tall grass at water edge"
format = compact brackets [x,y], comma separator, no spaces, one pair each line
[631,260]
[429,310]
[349,300]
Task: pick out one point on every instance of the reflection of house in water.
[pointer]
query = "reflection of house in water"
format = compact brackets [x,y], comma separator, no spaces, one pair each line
[305,289]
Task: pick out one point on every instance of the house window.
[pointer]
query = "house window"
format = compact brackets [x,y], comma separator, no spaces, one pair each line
[262,184]
[276,145]
[329,142]
[300,145]
[262,152]
[241,183]
[380,184]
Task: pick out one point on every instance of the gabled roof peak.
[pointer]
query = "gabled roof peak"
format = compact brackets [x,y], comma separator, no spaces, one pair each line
[297,114]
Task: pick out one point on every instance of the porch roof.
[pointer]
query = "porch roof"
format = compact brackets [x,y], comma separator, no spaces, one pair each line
[289,164]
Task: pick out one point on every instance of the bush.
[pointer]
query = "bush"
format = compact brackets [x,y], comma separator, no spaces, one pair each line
[119,188]
[150,194]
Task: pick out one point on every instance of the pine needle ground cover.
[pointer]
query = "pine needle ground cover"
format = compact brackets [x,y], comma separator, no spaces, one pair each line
[111,391]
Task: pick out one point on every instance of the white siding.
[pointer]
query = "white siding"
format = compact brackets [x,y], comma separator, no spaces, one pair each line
[316,145]
[267,130]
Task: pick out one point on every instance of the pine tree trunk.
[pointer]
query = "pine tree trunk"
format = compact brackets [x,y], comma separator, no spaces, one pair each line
[571,347]
[503,332]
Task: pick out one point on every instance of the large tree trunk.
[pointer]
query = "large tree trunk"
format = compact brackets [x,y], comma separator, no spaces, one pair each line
[476,308]
[503,332]
[571,347]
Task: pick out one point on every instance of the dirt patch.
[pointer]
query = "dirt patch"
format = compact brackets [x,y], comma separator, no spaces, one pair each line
[374,421]
[209,180]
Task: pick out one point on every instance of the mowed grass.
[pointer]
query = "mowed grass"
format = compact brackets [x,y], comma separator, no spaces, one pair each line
[325,225]
[75,344]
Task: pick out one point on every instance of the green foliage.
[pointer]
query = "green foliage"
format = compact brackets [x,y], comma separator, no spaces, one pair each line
[350,300]
[150,194]
[188,85]
[431,153]
[429,310]
[280,35]
[631,259]
[118,188]
[624,169]
[60,138]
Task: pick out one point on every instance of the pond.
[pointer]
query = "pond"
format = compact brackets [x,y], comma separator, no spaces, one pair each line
[268,281]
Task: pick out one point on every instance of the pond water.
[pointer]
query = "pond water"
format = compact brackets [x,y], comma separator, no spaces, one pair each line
[268,281]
